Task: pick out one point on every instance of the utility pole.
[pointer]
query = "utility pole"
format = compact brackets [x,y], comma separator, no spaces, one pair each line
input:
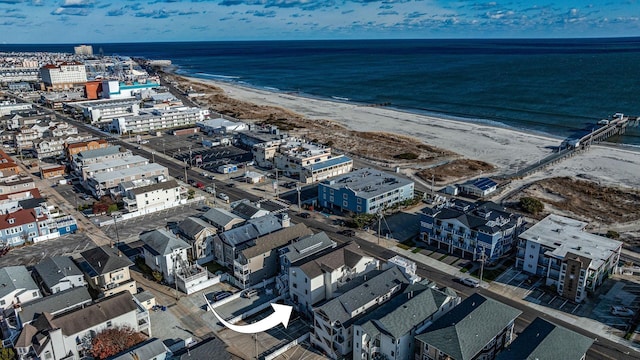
[276,183]
[298,188]
[185,172]
[153,156]
[379,220]
[481,264]
[115,224]
[214,193]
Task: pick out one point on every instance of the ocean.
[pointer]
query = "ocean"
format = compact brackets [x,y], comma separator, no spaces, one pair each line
[559,87]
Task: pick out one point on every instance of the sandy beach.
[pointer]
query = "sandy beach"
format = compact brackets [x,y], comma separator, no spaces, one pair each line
[505,148]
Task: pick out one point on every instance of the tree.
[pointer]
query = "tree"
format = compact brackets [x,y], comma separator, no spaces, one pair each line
[7,354]
[113,340]
[531,205]
[612,234]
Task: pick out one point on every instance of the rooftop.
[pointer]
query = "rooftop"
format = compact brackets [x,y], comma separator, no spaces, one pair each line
[565,235]
[367,182]
[15,278]
[132,160]
[106,176]
[336,160]
[162,242]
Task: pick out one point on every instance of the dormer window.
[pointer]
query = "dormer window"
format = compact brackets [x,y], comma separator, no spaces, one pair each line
[11,221]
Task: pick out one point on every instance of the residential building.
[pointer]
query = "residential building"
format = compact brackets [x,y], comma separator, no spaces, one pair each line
[50,171]
[222,219]
[8,166]
[307,161]
[480,187]
[570,259]
[154,197]
[478,328]
[16,287]
[103,183]
[470,230]
[18,74]
[333,321]
[58,273]
[248,210]
[108,165]
[6,107]
[545,340]
[388,331]
[158,119]
[315,279]
[152,349]
[15,318]
[364,191]
[199,234]
[227,244]
[221,126]
[92,156]
[72,149]
[165,253]
[259,259]
[63,76]
[203,350]
[106,270]
[19,226]
[68,335]
[303,248]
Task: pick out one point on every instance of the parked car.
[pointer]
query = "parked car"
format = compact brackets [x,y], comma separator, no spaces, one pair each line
[217,296]
[621,311]
[304,215]
[209,189]
[469,282]
[249,293]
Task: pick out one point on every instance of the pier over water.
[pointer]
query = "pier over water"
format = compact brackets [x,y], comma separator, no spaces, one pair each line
[607,128]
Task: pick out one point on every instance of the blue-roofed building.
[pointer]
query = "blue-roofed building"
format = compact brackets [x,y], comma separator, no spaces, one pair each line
[467,229]
[364,191]
[479,187]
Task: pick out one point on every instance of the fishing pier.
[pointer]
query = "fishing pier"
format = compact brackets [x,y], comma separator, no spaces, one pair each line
[605,129]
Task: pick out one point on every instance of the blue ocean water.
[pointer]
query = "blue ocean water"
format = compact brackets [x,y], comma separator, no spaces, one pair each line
[558,87]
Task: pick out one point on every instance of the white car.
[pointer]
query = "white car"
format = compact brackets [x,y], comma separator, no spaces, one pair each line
[470,282]
[621,311]
[223,196]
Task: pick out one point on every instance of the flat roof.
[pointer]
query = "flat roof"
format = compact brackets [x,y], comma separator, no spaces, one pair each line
[125,173]
[124,161]
[367,182]
[563,235]
[337,160]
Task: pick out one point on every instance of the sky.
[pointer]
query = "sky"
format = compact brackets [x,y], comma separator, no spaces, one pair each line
[100,21]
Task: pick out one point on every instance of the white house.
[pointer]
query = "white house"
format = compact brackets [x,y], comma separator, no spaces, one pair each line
[165,253]
[58,273]
[16,286]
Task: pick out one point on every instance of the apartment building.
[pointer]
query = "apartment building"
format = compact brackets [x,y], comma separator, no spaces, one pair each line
[365,190]
[478,328]
[307,161]
[63,336]
[199,234]
[74,148]
[7,107]
[103,183]
[16,187]
[470,230]
[19,226]
[259,260]
[92,156]
[157,196]
[570,259]
[158,119]
[164,252]
[58,273]
[333,321]
[104,111]
[317,278]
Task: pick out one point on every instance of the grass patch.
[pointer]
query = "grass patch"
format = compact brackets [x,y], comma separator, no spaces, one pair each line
[409,243]
[416,250]
[464,270]
[213,266]
[431,253]
[443,257]
[403,246]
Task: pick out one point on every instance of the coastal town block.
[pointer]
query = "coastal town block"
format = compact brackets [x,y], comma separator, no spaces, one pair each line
[570,259]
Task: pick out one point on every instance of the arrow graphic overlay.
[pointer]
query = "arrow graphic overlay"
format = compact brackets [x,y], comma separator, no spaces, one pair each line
[281,314]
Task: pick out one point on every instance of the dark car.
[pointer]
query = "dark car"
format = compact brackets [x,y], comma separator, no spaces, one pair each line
[347,232]
[220,295]
[304,215]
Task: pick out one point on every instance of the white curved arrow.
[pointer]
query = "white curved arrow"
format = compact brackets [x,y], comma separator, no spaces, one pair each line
[281,314]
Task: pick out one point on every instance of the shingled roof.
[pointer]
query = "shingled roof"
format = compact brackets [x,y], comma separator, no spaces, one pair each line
[464,331]
[348,255]
[102,260]
[276,240]
[162,242]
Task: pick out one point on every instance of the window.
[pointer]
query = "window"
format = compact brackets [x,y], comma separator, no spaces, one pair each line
[34,294]
[109,323]
[2,302]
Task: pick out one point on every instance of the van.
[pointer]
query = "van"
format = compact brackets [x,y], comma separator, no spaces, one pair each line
[250,293]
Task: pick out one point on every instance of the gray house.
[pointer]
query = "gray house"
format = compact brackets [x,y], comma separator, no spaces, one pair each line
[478,328]
[199,234]
[58,273]
[165,253]
[222,219]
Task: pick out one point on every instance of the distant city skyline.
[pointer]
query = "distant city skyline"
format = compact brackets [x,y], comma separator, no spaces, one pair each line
[100,21]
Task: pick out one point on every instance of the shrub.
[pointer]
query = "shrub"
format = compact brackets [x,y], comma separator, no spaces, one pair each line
[406,156]
[531,205]
[612,234]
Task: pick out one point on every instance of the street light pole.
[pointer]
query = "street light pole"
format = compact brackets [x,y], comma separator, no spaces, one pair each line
[153,156]
[481,264]
[115,224]
[298,190]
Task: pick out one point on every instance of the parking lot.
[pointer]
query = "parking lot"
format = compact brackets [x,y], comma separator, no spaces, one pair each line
[29,255]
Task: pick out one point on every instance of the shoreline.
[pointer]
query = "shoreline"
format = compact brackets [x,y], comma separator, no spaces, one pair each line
[506,148]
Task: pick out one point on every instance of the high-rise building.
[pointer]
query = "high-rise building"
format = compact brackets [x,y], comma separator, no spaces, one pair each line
[83,50]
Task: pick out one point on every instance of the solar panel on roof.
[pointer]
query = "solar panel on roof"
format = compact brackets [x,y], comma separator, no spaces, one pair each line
[484,183]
